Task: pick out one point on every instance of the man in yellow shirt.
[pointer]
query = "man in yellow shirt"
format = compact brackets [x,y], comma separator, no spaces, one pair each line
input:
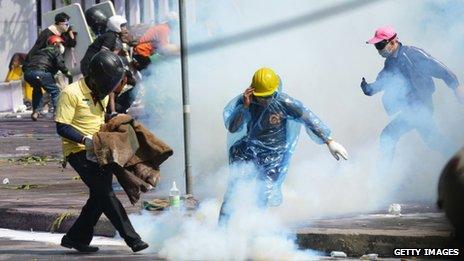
[80,113]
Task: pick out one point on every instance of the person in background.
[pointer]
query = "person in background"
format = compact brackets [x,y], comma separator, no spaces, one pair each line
[406,81]
[110,41]
[15,73]
[15,67]
[156,41]
[96,20]
[80,114]
[40,72]
[60,28]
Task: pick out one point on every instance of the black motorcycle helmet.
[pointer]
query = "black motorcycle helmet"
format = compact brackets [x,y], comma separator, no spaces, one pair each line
[96,20]
[105,73]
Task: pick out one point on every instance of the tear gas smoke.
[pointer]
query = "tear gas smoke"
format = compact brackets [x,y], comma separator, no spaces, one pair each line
[251,233]
[320,64]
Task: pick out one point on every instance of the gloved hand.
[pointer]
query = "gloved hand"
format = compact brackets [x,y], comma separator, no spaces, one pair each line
[364,86]
[89,149]
[337,150]
[110,116]
[69,76]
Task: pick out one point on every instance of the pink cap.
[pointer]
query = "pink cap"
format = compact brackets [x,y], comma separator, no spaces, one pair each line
[382,33]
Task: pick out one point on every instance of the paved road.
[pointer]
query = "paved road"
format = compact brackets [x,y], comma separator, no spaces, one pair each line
[33,250]
[21,137]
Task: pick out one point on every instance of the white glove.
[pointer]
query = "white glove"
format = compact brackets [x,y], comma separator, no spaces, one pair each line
[337,150]
[89,150]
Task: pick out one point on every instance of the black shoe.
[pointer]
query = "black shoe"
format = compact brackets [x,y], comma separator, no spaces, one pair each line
[34,116]
[69,243]
[139,246]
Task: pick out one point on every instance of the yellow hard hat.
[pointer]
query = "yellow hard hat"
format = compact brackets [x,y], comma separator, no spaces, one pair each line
[265,82]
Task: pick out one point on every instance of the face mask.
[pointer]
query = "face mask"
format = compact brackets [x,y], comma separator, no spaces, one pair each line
[384,53]
[62,49]
[264,100]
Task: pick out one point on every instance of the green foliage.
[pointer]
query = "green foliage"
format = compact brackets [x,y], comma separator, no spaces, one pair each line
[55,226]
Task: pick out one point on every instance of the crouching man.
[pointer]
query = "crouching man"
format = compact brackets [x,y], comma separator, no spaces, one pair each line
[268,122]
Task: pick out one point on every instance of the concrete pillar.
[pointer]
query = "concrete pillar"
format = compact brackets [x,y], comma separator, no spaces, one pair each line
[120,7]
[18,24]
[134,12]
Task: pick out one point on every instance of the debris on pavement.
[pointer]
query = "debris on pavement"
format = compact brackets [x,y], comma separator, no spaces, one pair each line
[370,257]
[338,254]
[55,226]
[155,204]
[26,186]
[394,209]
[190,202]
[23,148]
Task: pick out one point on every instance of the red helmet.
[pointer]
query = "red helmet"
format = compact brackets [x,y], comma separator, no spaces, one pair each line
[54,39]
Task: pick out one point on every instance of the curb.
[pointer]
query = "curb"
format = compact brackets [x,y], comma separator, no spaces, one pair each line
[20,219]
[356,243]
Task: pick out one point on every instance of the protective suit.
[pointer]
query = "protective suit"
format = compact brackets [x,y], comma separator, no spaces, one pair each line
[272,129]
[264,124]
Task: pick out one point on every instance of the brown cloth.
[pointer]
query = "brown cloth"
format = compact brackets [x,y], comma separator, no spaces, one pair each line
[132,152]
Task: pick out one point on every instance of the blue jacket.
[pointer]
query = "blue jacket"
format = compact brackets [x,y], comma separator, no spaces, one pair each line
[407,79]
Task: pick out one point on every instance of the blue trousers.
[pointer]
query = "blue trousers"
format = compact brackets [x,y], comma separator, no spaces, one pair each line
[41,79]
[271,168]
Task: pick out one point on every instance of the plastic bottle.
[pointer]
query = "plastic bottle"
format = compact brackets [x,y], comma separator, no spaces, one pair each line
[174,196]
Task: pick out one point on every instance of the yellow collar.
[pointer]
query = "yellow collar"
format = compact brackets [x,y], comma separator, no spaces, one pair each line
[54,29]
[84,88]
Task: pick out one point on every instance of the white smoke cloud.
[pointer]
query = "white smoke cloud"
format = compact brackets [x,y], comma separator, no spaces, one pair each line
[251,232]
[321,64]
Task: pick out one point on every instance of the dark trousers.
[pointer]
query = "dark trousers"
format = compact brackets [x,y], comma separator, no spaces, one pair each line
[38,80]
[101,200]
[125,100]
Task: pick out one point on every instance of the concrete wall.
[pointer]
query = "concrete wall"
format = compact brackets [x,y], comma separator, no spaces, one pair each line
[18,29]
